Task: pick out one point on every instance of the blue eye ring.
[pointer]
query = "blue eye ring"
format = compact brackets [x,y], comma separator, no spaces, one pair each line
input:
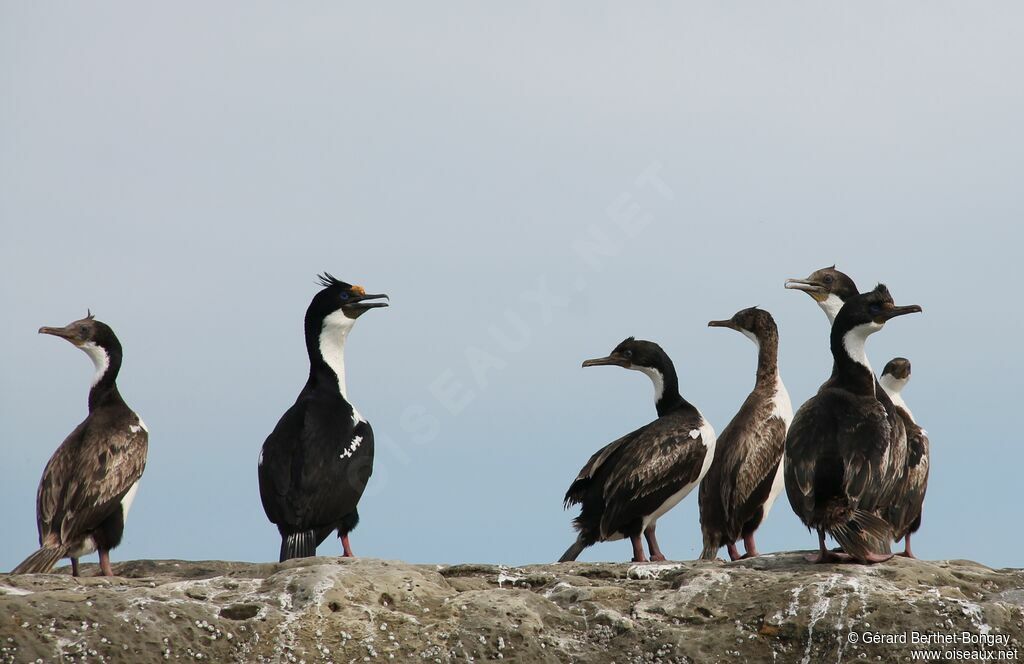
[344,295]
[876,308]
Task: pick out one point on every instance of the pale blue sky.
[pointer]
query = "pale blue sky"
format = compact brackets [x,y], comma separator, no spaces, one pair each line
[185,169]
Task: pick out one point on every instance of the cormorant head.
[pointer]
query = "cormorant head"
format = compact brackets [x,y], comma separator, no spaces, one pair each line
[95,338]
[896,374]
[898,368]
[633,354]
[340,303]
[646,357]
[866,313]
[829,287]
[756,324]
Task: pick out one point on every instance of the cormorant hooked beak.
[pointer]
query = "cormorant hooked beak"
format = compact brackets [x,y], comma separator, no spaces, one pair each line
[888,314]
[357,303]
[611,360]
[806,285]
[722,323]
[360,301]
[62,332]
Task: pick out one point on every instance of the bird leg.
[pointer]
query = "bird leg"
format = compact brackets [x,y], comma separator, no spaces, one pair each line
[652,544]
[824,555]
[907,553]
[347,547]
[734,553]
[638,549]
[74,567]
[105,567]
[748,544]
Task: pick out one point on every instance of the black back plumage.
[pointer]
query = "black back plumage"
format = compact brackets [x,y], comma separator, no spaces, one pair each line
[838,450]
[631,479]
[828,286]
[314,466]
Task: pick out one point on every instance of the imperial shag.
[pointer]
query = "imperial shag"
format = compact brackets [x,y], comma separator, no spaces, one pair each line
[90,481]
[746,476]
[837,449]
[316,462]
[627,485]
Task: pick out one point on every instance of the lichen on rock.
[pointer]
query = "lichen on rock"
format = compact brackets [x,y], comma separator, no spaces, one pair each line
[776,608]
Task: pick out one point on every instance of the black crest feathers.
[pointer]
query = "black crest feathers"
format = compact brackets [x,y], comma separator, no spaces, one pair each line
[327,280]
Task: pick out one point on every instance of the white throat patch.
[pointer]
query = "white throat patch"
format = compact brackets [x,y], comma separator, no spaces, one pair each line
[753,337]
[656,378]
[99,358]
[332,345]
[892,385]
[894,388]
[831,307]
[853,342]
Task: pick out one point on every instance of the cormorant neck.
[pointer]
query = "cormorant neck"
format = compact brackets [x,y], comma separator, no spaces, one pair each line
[894,386]
[104,381]
[666,387]
[851,369]
[767,357]
[326,349]
[831,306]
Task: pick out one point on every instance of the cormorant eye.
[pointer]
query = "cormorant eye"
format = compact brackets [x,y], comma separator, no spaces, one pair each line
[344,295]
[876,308]
[628,354]
[828,279]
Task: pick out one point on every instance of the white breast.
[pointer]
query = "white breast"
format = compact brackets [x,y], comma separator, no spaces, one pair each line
[129,498]
[894,388]
[707,436]
[782,408]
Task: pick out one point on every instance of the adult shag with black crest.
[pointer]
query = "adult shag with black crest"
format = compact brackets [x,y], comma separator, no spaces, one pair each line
[909,450]
[746,476]
[627,485]
[837,449]
[315,464]
[89,483]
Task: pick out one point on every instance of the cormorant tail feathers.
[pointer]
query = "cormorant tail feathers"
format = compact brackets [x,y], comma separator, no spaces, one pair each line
[860,534]
[573,551]
[42,561]
[710,550]
[298,545]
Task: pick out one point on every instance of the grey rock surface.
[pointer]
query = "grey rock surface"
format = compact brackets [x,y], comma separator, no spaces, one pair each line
[776,608]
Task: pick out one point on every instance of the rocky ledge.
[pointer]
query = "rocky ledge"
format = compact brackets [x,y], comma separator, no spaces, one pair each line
[776,608]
